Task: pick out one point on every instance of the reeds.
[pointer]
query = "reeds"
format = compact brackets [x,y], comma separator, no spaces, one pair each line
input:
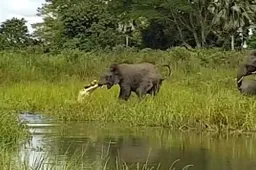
[201,94]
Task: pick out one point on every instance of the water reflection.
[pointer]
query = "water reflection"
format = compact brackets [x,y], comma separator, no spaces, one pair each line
[93,145]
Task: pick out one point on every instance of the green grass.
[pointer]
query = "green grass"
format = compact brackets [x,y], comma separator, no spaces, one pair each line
[201,94]
[11,131]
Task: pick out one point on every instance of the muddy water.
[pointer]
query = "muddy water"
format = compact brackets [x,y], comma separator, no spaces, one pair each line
[86,145]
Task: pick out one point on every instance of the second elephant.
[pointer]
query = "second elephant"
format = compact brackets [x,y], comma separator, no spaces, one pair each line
[248,67]
[247,87]
[245,69]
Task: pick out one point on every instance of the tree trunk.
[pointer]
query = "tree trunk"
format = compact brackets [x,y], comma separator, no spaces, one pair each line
[203,38]
[198,44]
[127,41]
[179,29]
[232,42]
[202,30]
[203,35]
[180,33]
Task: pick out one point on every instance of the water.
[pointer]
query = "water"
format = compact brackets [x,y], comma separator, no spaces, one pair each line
[92,145]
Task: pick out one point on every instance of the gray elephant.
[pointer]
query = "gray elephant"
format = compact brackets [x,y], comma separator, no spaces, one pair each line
[245,69]
[247,87]
[248,67]
[143,78]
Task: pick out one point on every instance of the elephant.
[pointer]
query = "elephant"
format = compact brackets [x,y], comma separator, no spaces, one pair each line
[247,87]
[245,69]
[248,67]
[141,78]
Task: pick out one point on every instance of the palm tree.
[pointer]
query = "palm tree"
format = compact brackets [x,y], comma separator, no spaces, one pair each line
[232,15]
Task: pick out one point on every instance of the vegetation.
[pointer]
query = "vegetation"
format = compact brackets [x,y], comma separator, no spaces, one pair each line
[43,71]
[92,25]
[201,94]
[11,130]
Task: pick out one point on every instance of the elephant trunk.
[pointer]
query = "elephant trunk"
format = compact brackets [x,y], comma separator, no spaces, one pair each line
[245,70]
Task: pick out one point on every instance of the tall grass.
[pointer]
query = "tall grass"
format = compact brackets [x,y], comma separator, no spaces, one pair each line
[23,67]
[201,94]
[11,131]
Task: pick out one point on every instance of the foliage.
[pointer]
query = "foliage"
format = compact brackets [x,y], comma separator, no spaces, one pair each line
[14,34]
[11,130]
[252,42]
[158,24]
[232,17]
[24,66]
[160,35]
[200,94]
[83,25]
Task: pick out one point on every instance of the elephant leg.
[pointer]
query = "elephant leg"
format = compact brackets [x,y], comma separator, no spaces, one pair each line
[159,84]
[125,92]
[144,88]
[155,89]
[152,91]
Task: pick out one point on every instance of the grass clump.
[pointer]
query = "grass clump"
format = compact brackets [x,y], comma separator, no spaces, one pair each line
[11,131]
[201,94]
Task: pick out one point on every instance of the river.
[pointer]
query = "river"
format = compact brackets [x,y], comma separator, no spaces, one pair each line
[84,145]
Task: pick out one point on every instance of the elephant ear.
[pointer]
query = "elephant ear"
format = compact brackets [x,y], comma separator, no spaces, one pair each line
[250,68]
[114,68]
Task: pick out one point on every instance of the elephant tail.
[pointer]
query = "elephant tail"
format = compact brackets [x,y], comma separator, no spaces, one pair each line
[169,69]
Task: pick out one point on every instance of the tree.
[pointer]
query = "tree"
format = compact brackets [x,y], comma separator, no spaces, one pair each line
[187,17]
[85,25]
[14,33]
[160,35]
[192,16]
[197,22]
[90,24]
[232,17]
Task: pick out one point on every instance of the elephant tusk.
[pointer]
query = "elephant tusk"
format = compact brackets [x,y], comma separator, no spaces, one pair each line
[240,79]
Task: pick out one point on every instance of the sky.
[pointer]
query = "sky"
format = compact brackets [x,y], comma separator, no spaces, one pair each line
[21,9]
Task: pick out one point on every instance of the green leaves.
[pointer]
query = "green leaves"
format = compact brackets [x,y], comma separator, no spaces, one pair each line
[230,15]
[14,33]
[92,25]
[79,24]
[178,6]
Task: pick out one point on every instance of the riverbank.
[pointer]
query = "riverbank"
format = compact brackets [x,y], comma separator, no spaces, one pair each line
[200,95]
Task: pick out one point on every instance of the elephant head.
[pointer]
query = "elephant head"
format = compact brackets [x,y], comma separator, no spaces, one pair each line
[247,68]
[110,77]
